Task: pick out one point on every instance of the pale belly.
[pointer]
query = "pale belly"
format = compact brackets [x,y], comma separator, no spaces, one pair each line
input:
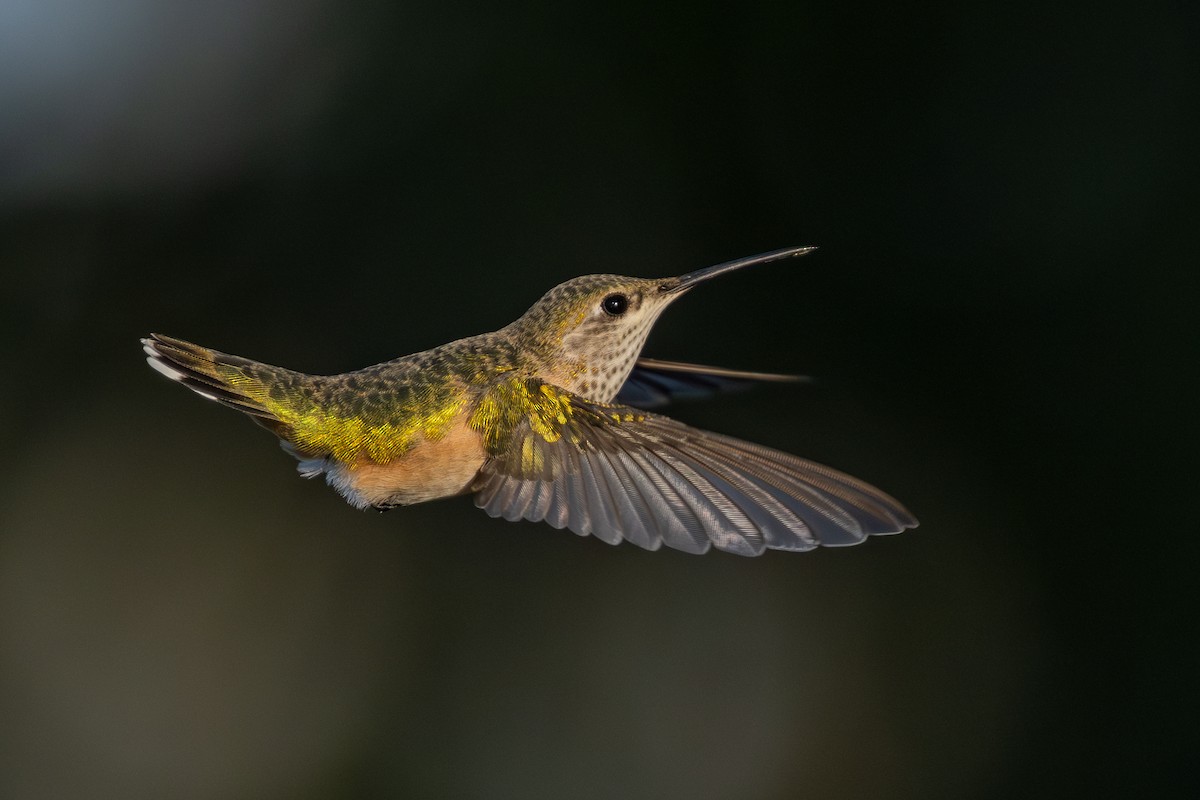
[430,470]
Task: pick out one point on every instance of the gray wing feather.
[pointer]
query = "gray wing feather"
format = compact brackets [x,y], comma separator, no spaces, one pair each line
[830,515]
[510,499]
[680,528]
[485,496]
[654,481]
[782,528]
[578,477]
[641,520]
[726,524]
[853,503]
[558,510]
[603,520]
[636,523]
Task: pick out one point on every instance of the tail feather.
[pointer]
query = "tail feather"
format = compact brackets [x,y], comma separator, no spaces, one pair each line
[232,381]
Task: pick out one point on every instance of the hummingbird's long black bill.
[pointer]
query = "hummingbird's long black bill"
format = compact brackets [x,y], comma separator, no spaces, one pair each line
[692,278]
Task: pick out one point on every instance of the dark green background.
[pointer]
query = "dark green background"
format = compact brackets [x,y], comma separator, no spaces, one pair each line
[998,318]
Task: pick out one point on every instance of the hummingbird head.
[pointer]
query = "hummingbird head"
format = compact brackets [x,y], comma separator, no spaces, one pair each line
[591,329]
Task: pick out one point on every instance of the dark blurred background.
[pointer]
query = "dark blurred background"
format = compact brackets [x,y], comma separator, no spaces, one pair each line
[998,318]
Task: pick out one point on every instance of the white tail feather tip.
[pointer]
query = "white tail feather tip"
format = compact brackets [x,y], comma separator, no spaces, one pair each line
[159,365]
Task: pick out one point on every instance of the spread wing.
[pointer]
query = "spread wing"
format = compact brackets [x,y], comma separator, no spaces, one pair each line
[618,473]
[654,383]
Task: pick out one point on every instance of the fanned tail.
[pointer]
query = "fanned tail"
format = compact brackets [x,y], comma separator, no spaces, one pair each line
[276,398]
[239,383]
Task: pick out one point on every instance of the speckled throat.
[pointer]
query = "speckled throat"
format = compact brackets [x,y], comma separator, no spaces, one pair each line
[605,361]
[572,343]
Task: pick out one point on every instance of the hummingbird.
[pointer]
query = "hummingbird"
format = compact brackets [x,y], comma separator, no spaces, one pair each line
[550,419]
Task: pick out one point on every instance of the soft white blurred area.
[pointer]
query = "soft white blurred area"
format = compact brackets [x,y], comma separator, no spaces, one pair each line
[116,96]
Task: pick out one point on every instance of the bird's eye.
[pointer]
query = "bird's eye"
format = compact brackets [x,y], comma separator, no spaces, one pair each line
[615,304]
